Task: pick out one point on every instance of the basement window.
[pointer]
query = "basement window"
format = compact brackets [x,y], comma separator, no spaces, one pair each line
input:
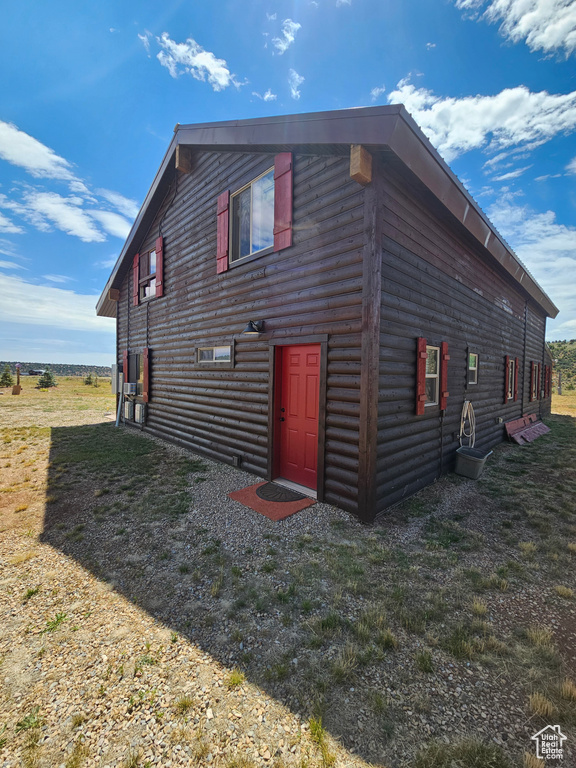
[432,375]
[147,275]
[217,355]
[252,217]
[472,368]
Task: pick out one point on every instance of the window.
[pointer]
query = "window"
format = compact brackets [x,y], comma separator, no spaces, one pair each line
[252,217]
[472,368]
[136,368]
[221,354]
[147,275]
[432,375]
[511,375]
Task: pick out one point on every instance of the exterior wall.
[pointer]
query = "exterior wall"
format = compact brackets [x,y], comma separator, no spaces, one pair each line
[312,288]
[438,286]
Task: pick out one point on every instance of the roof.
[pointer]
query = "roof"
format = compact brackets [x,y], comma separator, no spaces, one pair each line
[386,130]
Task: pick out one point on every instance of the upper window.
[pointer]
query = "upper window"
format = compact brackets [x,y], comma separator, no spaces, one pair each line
[147,275]
[252,225]
[472,368]
[511,376]
[432,375]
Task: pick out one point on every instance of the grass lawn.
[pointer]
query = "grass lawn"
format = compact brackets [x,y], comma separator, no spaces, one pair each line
[149,619]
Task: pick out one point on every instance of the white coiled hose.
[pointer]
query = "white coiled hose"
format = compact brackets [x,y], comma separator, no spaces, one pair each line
[468,416]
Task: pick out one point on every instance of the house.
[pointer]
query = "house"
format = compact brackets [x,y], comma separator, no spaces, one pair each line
[313,297]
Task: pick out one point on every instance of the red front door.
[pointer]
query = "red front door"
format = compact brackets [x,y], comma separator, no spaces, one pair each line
[299,396]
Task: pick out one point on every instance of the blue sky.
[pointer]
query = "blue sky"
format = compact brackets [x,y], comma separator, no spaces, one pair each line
[90,93]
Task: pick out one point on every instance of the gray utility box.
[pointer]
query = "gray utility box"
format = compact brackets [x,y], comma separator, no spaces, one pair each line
[470,462]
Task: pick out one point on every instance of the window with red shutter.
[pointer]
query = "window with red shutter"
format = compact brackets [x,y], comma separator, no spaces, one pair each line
[283,193]
[222,232]
[515,379]
[145,374]
[421,356]
[159,248]
[507,388]
[444,357]
[136,280]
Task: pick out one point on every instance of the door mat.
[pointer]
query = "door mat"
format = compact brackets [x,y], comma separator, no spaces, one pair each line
[275,510]
[275,492]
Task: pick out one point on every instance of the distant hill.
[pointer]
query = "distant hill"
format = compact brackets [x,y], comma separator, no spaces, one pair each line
[564,353]
[58,369]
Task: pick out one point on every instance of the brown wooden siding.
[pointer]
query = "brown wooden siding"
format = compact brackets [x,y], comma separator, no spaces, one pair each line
[438,286]
[313,287]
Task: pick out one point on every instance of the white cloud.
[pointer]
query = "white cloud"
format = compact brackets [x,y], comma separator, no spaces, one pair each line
[113,223]
[271,16]
[57,278]
[125,205]
[343,2]
[18,148]
[571,167]
[430,46]
[289,29]
[375,93]
[512,174]
[546,247]
[295,81]
[515,116]
[545,25]
[8,226]
[10,265]
[107,263]
[145,38]
[47,209]
[192,59]
[50,306]
[268,96]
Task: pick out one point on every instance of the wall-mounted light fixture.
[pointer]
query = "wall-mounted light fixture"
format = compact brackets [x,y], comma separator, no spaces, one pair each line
[253,328]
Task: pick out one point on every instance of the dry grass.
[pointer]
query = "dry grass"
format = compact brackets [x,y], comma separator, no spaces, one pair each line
[541,706]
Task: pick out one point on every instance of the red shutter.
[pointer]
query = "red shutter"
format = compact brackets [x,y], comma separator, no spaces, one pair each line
[283,183]
[125,365]
[515,379]
[135,280]
[444,357]
[159,266]
[421,356]
[223,232]
[146,373]
[506,377]
[531,398]
[539,384]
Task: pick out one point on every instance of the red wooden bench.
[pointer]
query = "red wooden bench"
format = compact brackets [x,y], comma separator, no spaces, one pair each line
[526,429]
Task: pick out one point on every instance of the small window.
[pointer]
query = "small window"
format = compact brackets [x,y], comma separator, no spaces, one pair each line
[252,219]
[472,368]
[511,377]
[432,375]
[215,354]
[147,275]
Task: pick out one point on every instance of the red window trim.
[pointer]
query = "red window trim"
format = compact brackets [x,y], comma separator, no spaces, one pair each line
[506,377]
[421,357]
[125,365]
[283,194]
[146,374]
[515,379]
[444,357]
[136,280]
[159,248]
[223,232]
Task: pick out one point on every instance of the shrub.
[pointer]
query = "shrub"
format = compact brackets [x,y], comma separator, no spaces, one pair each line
[47,380]
[6,379]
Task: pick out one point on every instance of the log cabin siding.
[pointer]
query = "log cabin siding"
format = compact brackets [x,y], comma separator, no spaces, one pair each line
[314,287]
[438,285]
